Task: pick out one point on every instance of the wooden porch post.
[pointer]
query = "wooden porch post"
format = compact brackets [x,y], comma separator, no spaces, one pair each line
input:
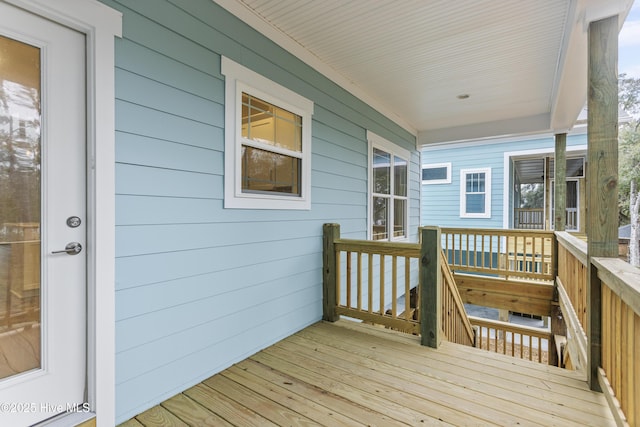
[430,287]
[560,176]
[602,176]
[330,233]
[559,220]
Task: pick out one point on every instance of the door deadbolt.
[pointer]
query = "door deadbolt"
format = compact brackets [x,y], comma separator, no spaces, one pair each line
[74,222]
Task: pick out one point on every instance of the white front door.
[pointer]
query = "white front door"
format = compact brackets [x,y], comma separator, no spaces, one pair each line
[42,211]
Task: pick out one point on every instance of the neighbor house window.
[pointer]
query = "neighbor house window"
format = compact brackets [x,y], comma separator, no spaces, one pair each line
[436,173]
[267,142]
[389,201]
[475,193]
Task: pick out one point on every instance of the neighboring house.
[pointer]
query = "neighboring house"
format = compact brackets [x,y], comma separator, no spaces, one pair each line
[502,182]
[624,240]
[187,163]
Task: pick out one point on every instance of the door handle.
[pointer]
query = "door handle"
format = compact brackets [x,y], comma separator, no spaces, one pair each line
[72,248]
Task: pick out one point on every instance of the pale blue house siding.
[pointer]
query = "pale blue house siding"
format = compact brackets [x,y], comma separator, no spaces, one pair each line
[441,202]
[198,287]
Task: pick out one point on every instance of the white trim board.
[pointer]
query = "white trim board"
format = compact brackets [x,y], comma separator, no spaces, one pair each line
[578,130]
[101,25]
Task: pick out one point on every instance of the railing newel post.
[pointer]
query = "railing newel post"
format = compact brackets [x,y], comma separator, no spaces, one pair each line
[430,287]
[330,233]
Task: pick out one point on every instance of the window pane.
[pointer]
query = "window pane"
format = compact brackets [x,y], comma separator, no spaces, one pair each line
[475,203]
[381,172]
[399,218]
[266,123]
[289,134]
[475,182]
[399,176]
[380,218]
[20,208]
[264,171]
[431,174]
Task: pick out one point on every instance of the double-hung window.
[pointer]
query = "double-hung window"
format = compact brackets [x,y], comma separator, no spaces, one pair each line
[475,193]
[389,201]
[267,142]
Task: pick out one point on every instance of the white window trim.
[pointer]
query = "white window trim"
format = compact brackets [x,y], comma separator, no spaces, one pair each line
[240,79]
[376,141]
[447,180]
[101,24]
[463,193]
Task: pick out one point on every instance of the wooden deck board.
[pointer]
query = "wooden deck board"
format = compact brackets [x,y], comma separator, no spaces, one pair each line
[479,366]
[498,404]
[348,374]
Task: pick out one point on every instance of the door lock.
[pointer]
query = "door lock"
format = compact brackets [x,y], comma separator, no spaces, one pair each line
[72,248]
[73,222]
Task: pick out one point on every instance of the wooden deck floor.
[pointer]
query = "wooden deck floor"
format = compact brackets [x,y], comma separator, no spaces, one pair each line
[353,375]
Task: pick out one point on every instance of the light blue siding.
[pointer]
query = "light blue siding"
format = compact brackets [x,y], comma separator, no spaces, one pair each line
[441,202]
[200,287]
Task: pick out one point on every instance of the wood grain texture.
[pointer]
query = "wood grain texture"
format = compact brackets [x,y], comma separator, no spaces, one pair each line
[351,374]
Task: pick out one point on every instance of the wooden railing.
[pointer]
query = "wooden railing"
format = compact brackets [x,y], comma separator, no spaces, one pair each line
[21,290]
[514,340]
[510,253]
[363,291]
[529,218]
[571,284]
[619,373]
[455,321]
[365,280]
[572,272]
[618,339]
[394,269]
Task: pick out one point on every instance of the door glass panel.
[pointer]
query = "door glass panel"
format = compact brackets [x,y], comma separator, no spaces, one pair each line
[20,197]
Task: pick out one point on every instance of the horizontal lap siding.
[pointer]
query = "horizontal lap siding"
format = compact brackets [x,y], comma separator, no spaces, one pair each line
[441,202]
[200,287]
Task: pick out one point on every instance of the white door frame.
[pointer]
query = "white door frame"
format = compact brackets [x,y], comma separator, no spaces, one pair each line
[101,25]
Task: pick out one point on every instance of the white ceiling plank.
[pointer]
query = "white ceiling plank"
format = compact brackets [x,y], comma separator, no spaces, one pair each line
[518,60]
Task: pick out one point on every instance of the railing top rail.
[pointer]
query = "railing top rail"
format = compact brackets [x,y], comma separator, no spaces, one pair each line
[496,231]
[577,247]
[622,278]
[379,247]
[510,327]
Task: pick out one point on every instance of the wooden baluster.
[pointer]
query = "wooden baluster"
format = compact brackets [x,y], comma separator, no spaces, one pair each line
[407,288]
[359,280]
[370,293]
[382,280]
[394,287]
[348,279]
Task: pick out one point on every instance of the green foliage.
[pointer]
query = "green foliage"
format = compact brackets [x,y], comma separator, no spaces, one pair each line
[532,195]
[629,95]
[628,143]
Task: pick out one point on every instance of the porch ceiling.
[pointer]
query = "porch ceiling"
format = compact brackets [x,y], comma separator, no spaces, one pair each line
[522,64]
